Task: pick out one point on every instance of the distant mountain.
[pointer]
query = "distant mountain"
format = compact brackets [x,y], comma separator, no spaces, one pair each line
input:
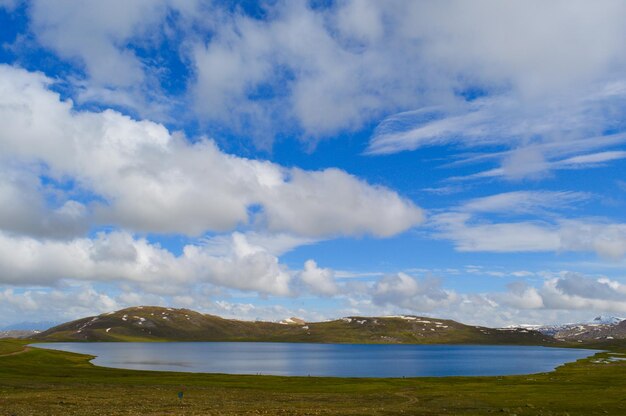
[606,320]
[601,328]
[25,329]
[17,333]
[149,323]
[30,326]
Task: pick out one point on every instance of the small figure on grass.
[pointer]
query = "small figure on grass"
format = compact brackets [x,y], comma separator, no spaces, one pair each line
[181,394]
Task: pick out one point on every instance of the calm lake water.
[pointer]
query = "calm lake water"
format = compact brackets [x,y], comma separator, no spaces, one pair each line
[332,360]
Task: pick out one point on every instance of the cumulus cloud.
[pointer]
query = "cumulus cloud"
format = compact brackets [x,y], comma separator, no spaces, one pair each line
[567,292]
[320,70]
[107,46]
[524,97]
[331,69]
[330,202]
[118,257]
[91,33]
[402,290]
[154,181]
[275,243]
[24,209]
[53,305]
[521,296]
[78,301]
[319,84]
[318,280]
[605,238]
[525,88]
[560,297]
[67,171]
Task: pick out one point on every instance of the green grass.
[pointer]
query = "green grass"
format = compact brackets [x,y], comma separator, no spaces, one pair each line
[53,382]
[9,346]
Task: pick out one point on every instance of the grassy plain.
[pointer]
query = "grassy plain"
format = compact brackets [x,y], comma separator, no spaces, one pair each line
[45,382]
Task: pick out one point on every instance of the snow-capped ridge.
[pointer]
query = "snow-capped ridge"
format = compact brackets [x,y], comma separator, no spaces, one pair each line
[606,320]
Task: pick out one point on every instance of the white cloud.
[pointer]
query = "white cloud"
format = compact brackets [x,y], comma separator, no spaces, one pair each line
[335,68]
[592,159]
[118,257]
[155,181]
[330,202]
[568,292]
[606,239]
[521,296]
[110,48]
[35,305]
[541,137]
[541,95]
[523,201]
[530,161]
[547,83]
[318,280]
[23,207]
[402,290]
[138,176]
[498,237]
[323,70]
[470,232]
[53,305]
[562,297]
[251,268]
[92,33]
[276,244]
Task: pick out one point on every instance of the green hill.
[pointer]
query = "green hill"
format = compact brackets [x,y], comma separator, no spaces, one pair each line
[149,323]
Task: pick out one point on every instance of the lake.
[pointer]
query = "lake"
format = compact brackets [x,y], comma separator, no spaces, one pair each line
[328,360]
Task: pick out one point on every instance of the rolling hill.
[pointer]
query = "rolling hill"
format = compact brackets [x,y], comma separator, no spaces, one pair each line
[149,323]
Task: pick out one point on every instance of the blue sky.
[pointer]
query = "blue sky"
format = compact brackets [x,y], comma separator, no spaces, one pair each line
[261,160]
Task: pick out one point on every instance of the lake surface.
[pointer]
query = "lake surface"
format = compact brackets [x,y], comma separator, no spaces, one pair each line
[331,360]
